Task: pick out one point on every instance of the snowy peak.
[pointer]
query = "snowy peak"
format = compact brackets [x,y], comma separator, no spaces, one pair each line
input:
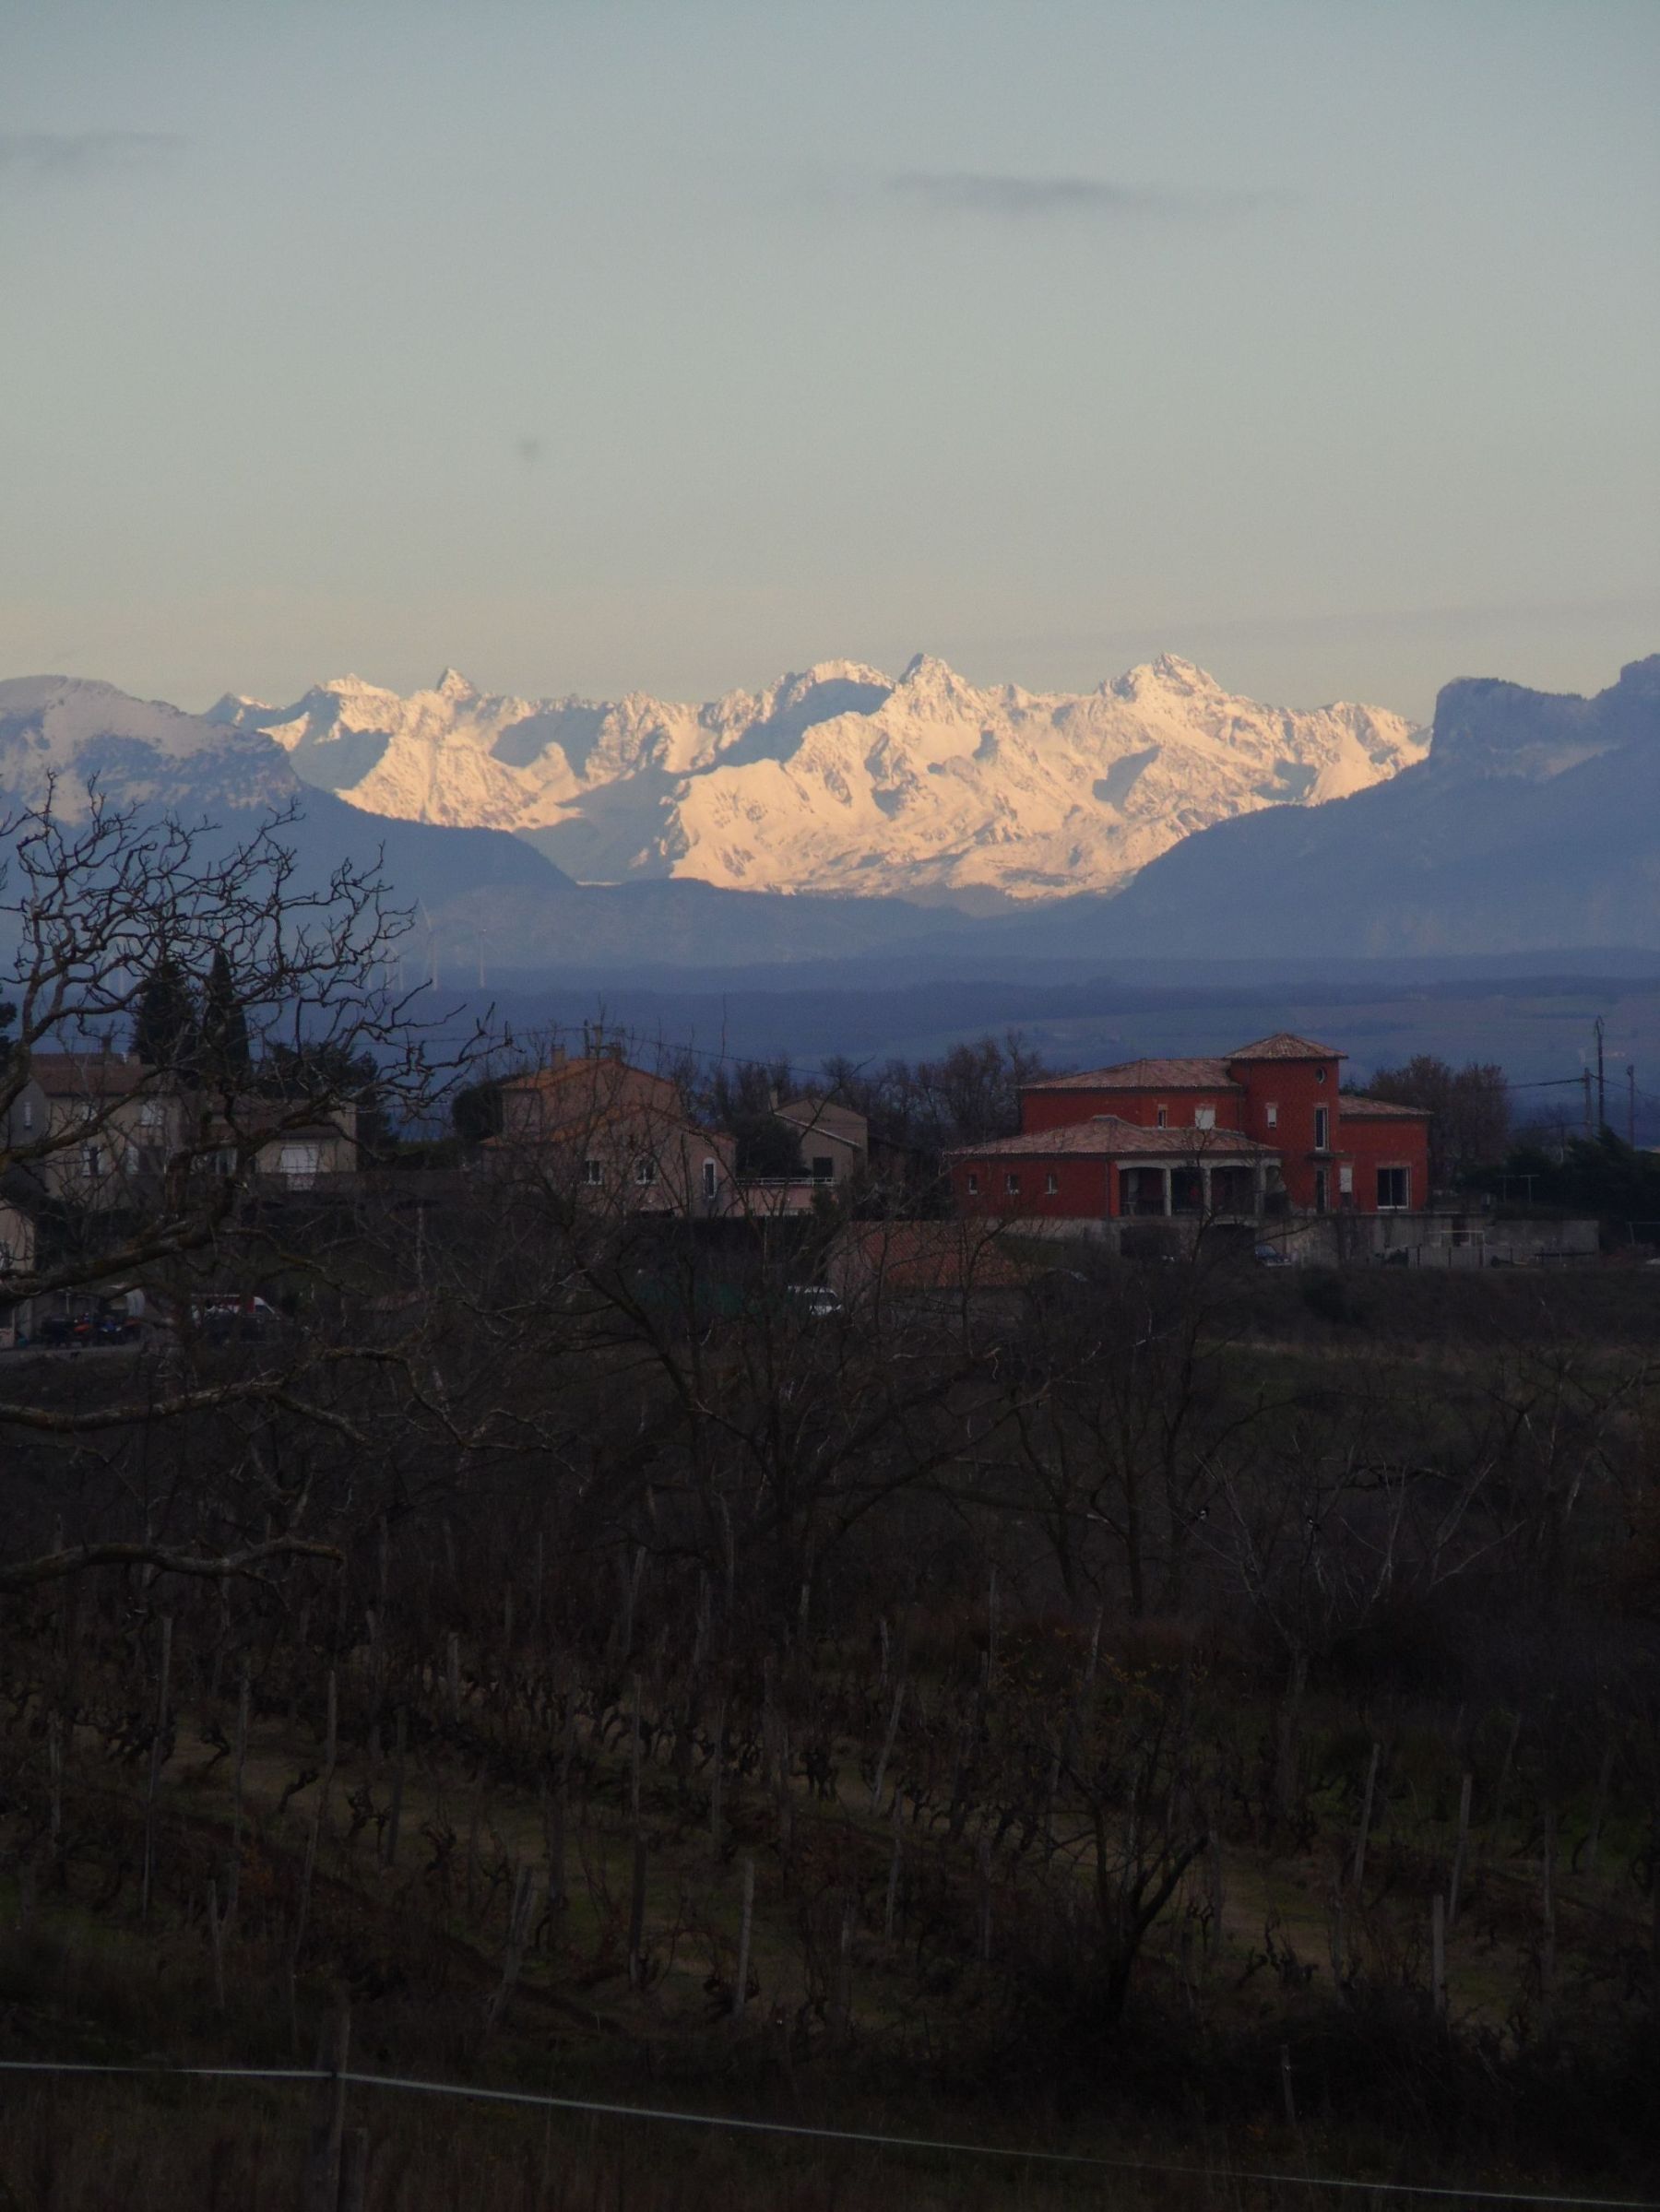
[838,778]
[930,678]
[1169,676]
[77,732]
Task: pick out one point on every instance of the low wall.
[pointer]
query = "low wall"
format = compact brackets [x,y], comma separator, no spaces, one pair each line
[1441,1240]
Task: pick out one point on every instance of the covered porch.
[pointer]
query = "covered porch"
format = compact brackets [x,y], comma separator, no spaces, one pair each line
[1203,1190]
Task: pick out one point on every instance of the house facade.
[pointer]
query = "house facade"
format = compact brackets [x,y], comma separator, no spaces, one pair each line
[99,1127]
[612,1136]
[1263,1129]
[833,1150]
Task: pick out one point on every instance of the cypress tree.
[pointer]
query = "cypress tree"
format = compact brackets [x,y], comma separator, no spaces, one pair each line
[167,1030]
[225,1055]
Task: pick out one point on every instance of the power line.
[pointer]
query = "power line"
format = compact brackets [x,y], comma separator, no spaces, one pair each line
[864,2138]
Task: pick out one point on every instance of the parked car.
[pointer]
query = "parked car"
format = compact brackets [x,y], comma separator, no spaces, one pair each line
[239,1316]
[90,1325]
[817,1300]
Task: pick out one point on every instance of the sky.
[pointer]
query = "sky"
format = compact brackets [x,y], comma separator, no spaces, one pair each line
[602,345]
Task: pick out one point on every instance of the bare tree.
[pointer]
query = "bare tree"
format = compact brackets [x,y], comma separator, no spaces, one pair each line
[157,1184]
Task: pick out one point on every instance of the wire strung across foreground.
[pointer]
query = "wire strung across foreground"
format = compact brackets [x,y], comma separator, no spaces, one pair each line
[867,2139]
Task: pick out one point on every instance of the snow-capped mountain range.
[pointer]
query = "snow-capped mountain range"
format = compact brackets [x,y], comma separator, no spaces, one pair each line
[840,780]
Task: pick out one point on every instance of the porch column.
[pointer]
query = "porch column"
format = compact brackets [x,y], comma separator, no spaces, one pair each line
[1259,1185]
[1205,1197]
[1165,1173]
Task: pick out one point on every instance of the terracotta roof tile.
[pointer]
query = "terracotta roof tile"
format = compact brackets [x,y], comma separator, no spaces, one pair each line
[1109,1137]
[87,1074]
[1381,1109]
[1284,1045]
[1189,1074]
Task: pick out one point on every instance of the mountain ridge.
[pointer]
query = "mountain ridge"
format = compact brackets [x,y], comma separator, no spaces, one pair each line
[1531,821]
[838,779]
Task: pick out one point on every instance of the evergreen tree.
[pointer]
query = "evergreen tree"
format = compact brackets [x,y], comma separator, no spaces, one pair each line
[167,1026]
[475,1111]
[225,1055]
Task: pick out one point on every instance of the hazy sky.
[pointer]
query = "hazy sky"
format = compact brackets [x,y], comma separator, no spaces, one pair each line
[600,344]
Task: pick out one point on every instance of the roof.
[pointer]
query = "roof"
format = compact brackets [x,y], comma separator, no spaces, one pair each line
[87,1074]
[1381,1109]
[1110,1137]
[814,1116]
[608,1071]
[1191,1074]
[1284,1045]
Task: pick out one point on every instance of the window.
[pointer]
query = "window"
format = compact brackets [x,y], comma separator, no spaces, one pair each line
[1204,1116]
[711,1175]
[29,1113]
[1142,1189]
[1233,1191]
[973,1184]
[824,1168]
[1346,1181]
[1271,1112]
[1322,1129]
[151,1114]
[1012,1184]
[593,1173]
[1052,1183]
[1392,1187]
[646,1171]
[1319,1190]
[1320,1075]
[92,1159]
[1164,1116]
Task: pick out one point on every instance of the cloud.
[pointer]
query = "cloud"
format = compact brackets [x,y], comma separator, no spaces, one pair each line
[1024,199]
[39,156]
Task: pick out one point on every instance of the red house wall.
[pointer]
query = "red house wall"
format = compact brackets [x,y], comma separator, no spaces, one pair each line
[1082,1195]
[1297,1087]
[1390,1141]
[1060,1109]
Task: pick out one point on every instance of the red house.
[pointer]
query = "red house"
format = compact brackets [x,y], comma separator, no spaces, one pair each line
[1262,1129]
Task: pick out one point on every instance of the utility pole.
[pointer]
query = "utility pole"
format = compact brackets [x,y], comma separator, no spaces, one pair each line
[1602,1082]
[1585,1078]
[1631,1105]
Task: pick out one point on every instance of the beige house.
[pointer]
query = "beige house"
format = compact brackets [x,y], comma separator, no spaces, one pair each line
[16,1257]
[90,1123]
[836,1142]
[612,1136]
[96,1127]
[311,1154]
[833,1143]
